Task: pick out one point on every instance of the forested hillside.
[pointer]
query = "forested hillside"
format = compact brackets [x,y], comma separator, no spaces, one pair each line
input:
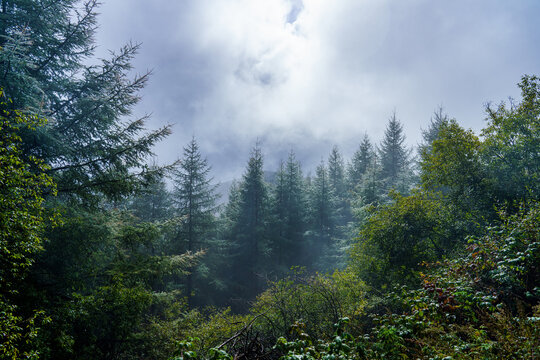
[431,252]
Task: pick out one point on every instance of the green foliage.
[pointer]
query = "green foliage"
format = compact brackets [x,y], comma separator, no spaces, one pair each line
[46,49]
[194,198]
[400,235]
[288,217]
[431,134]
[23,183]
[247,235]
[395,157]
[362,160]
[483,304]
[212,328]
[153,203]
[454,167]
[322,217]
[185,351]
[103,285]
[510,147]
[319,301]
[195,204]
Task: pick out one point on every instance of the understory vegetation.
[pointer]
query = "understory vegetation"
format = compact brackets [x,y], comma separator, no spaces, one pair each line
[396,253]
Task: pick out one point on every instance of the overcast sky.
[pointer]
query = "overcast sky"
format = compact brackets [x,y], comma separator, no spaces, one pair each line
[308,74]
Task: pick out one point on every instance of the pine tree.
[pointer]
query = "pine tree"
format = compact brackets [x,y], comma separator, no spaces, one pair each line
[153,203]
[249,238]
[195,201]
[394,156]
[322,214]
[363,159]
[322,203]
[279,218]
[288,215]
[431,134]
[97,155]
[337,182]
[93,150]
[336,173]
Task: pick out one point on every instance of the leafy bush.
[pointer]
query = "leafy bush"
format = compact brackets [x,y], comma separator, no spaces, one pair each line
[483,304]
[318,301]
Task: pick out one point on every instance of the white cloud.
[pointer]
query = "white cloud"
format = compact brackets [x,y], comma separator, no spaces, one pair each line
[315,72]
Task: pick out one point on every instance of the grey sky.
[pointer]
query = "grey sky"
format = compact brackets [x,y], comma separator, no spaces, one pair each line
[313,73]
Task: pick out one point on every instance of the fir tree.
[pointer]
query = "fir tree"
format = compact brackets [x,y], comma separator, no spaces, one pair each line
[322,215]
[394,156]
[96,153]
[363,159]
[336,173]
[431,134]
[93,150]
[195,201]
[153,203]
[288,214]
[337,182]
[249,236]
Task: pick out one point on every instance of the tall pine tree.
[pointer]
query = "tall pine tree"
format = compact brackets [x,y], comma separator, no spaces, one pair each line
[99,260]
[93,149]
[288,215]
[431,134]
[394,156]
[195,201]
[322,223]
[363,159]
[337,182]
[249,237]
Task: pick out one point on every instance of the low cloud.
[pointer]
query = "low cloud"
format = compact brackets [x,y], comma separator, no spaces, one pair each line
[309,74]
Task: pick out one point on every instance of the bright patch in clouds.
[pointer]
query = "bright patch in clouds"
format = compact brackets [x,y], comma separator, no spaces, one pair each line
[313,73]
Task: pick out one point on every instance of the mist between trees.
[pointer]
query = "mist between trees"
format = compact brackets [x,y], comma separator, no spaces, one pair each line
[394,253]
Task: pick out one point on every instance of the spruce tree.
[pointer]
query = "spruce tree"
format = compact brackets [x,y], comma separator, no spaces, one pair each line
[394,156]
[195,202]
[249,237]
[278,219]
[153,203]
[363,159]
[337,182]
[322,215]
[288,215]
[93,148]
[431,134]
[336,173]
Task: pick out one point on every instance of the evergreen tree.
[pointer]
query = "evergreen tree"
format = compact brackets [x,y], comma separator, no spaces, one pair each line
[153,203]
[322,203]
[336,180]
[248,237]
[322,214]
[95,265]
[288,215]
[45,49]
[431,134]
[394,156]
[363,159]
[371,188]
[195,200]
[336,173]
